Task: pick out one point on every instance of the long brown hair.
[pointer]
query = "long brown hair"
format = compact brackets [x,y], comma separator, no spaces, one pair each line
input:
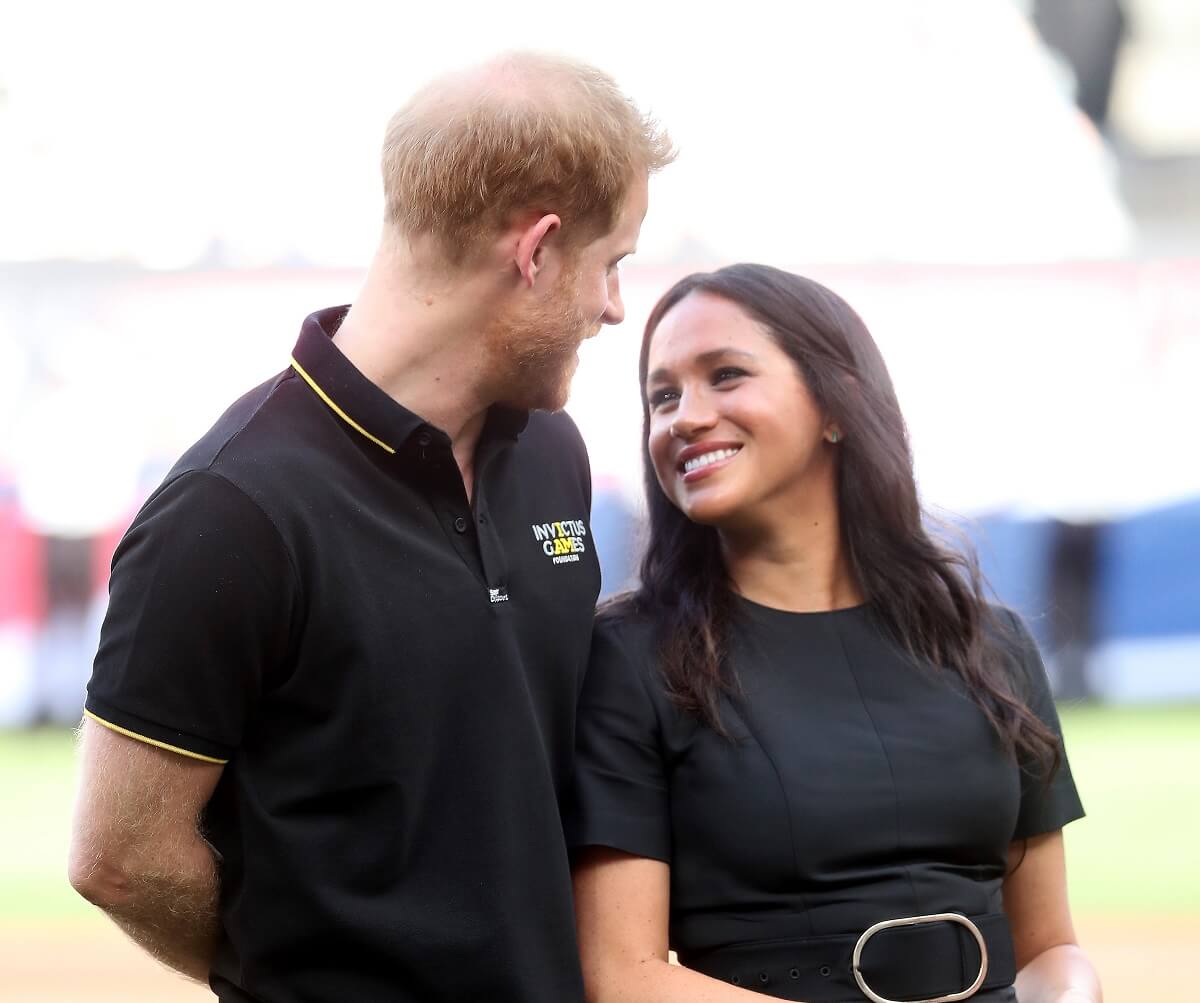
[926,595]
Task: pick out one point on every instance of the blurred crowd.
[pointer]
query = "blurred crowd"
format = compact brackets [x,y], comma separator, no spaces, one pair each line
[1014,146]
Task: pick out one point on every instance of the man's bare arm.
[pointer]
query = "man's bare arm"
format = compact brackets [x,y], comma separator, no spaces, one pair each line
[136,847]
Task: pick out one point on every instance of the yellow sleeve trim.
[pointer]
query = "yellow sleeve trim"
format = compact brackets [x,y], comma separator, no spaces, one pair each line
[337,410]
[151,741]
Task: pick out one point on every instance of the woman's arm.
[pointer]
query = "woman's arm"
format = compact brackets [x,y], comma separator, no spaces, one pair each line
[1051,967]
[622,905]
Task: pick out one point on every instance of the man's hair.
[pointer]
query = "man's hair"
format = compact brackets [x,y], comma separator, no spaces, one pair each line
[525,132]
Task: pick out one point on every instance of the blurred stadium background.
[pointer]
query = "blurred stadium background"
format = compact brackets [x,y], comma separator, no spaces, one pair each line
[1009,192]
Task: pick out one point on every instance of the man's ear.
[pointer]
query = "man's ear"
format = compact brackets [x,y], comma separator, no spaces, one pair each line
[531,246]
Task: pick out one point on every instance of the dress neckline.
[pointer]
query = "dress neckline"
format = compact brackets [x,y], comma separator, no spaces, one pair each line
[775,612]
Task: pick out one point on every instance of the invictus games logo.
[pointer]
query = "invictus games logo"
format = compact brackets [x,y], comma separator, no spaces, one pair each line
[561,541]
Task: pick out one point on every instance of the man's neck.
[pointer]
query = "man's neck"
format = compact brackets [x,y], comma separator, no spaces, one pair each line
[420,340]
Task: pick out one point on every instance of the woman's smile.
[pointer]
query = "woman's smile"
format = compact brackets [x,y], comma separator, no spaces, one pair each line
[699,461]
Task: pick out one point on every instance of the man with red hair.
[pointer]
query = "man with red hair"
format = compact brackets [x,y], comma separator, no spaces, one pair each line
[332,712]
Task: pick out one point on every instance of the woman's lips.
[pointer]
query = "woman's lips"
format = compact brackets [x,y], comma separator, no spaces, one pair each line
[708,462]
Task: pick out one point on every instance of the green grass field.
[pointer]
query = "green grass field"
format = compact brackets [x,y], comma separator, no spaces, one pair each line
[1138,771]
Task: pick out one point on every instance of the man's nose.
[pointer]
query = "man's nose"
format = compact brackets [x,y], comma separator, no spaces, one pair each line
[614,310]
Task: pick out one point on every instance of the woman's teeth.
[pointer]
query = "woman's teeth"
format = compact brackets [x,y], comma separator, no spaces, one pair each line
[705,459]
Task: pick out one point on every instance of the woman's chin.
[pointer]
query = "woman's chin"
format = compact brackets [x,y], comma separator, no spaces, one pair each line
[709,511]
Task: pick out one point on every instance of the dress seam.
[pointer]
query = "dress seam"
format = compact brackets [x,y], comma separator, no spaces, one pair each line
[886,758]
[744,713]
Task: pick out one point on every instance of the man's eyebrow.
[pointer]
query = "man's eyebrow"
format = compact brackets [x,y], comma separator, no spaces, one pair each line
[704,358]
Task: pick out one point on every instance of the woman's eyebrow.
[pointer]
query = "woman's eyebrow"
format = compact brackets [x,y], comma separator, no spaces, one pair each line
[704,359]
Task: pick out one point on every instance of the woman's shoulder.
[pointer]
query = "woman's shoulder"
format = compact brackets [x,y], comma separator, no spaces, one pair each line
[624,638]
[1007,633]
[626,619]
[1004,626]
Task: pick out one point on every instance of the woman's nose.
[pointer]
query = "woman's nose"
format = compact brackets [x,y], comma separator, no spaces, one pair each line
[692,416]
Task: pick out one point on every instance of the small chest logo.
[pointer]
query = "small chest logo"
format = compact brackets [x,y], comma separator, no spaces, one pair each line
[561,541]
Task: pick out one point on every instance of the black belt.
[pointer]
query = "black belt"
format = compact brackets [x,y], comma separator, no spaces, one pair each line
[915,960]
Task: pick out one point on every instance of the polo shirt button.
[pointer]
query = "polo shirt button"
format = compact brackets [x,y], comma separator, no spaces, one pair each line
[424,439]
[460,524]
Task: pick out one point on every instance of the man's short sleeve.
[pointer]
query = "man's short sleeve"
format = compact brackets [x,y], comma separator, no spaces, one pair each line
[1045,807]
[199,619]
[621,798]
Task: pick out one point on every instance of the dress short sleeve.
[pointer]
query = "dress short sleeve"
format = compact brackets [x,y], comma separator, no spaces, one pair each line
[199,613]
[1044,807]
[620,798]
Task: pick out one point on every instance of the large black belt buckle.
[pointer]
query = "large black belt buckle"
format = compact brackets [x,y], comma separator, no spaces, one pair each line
[940,917]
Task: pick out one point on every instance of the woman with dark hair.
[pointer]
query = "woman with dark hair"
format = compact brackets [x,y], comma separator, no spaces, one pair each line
[812,760]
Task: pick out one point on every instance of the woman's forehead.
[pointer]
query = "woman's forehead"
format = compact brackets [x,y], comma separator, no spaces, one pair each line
[703,325]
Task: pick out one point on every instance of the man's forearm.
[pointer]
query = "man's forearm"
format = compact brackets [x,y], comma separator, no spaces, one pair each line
[169,907]
[138,850]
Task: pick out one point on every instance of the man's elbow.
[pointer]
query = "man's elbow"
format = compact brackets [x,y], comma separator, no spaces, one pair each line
[100,876]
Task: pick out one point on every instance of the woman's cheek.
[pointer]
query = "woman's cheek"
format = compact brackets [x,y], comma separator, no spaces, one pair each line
[659,459]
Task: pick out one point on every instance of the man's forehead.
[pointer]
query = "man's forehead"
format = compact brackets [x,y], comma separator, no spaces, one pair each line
[638,201]
[622,239]
[633,212]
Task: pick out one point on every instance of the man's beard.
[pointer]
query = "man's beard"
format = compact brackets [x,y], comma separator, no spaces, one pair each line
[533,354]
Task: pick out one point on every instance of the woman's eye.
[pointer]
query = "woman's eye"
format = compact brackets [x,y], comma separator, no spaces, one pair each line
[657,398]
[727,373]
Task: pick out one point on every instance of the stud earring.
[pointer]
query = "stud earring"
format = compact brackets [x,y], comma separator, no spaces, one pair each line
[834,436]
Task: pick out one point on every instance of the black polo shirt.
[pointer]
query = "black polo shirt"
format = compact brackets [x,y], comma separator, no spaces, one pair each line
[389,672]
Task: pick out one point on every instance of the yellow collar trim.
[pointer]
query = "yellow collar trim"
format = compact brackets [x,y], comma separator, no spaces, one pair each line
[337,410]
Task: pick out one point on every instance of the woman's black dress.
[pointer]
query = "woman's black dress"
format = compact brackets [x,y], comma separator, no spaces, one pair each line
[857,788]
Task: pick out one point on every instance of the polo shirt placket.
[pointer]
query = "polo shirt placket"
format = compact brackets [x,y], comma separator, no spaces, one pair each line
[468,533]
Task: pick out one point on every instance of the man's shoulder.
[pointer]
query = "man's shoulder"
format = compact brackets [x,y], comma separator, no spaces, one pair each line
[206,451]
[250,444]
[551,445]
[264,448]
[553,428]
